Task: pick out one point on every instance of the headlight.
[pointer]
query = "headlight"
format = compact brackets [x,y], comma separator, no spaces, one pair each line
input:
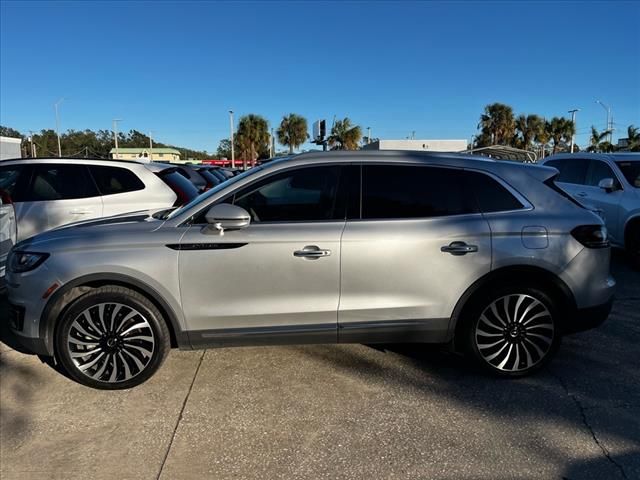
[24,261]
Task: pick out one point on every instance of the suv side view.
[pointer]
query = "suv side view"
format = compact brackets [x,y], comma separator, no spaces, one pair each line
[609,182]
[365,247]
[50,192]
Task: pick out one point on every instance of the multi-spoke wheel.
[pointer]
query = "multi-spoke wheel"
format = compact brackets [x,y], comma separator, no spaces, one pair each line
[112,338]
[513,332]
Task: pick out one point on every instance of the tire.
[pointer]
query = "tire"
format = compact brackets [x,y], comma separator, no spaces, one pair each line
[502,346]
[111,338]
[633,245]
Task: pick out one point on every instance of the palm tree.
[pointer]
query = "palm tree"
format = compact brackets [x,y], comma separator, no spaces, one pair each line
[292,131]
[498,124]
[543,136]
[597,141]
[344,135]
[561,130]
[529,127]
[252,137]
[633,139]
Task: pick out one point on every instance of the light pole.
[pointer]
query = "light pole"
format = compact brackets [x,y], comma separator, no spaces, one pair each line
[55,106]
[368,135]
[272,144]
[233,153]
[609,126]
[115,134]
[150,147]
[573,120]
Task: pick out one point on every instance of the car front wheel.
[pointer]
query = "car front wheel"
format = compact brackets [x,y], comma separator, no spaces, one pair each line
[112,338]
[512,332]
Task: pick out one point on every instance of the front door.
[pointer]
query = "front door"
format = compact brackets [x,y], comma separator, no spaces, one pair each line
[276,279]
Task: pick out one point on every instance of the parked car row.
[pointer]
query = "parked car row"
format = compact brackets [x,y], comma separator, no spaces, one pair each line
[492,258]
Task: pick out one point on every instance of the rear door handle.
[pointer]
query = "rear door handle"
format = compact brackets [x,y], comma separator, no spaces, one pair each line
[80,211]
[459,248]
[311,251]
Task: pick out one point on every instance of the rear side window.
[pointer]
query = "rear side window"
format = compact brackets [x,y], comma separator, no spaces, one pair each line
[60,182]
[13,179]
[572,170]
[600,170]
[112,180]
[402,191]
[491,195]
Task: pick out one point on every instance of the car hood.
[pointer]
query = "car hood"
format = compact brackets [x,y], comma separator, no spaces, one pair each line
[100,231]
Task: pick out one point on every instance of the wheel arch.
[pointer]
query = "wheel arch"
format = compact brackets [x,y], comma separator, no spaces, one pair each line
[509,276]
[633,221]
[62,298]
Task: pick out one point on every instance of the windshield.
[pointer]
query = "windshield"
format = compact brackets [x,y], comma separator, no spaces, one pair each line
[212,192]
[631,171]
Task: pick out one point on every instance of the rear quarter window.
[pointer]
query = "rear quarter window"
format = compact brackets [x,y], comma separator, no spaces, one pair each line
[491,195]
[113,180]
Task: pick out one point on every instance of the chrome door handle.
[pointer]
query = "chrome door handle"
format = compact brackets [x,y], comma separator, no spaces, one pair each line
[79,211]
[459,248]
[311,251]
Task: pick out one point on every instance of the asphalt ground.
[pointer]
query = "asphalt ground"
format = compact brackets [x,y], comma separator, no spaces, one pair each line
[336,411]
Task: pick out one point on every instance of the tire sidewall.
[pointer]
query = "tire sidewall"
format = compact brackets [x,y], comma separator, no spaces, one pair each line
[146,308]
[473,317]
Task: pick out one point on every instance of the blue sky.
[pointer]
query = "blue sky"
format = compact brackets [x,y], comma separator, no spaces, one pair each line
[176,68]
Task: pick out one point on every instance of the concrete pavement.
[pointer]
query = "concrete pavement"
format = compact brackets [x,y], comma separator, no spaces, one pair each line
[337,411]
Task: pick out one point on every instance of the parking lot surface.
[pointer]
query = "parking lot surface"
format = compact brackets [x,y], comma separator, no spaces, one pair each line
[336,411]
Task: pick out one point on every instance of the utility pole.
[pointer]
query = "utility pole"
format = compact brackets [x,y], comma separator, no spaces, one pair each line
[609,121]
[150,147]
[573,120]
[272,145]
[115,134]
[55,106]
[413,135]
[32,152]
[233,153]
[368,135]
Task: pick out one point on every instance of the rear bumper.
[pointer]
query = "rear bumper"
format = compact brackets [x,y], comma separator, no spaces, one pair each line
[588,318]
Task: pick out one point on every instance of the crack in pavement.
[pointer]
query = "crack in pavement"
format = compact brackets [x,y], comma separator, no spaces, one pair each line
[184,404]
[583,414]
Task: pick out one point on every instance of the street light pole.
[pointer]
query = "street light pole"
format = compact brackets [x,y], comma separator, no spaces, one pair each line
[55,106]
[233,153]
[115,134]
[609,126]
[368,135]
[150,147]
[573,120]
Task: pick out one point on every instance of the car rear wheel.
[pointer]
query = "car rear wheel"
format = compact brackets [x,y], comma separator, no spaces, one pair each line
[513,331]
[112,338]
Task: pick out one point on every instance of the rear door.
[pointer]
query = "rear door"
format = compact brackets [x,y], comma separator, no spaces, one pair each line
[418,243]
[573,175]
[57,194]
[608,202]
[121,189]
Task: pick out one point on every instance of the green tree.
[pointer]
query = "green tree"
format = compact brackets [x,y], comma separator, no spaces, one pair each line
[9,132]
[252,137]
[528,126]
[633,139]
[224,149]
[597,141]
[344,135]
[497,125]
[560,130]
[292,131]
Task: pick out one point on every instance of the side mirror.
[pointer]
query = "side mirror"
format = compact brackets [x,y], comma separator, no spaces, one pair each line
[607,184]
[224,216]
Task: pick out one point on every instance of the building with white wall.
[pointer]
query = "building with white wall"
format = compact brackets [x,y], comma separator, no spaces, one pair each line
[10,148]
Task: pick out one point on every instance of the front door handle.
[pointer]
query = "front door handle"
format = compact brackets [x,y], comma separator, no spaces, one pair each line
[80,211]
[311,251]
[459,248]
[582,194]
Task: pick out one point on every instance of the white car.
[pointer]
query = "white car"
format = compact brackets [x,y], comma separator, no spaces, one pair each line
[610,183]
[50,192]
[7,229]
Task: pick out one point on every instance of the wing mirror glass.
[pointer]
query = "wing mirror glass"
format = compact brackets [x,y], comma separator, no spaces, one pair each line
[227,217]
[607,184]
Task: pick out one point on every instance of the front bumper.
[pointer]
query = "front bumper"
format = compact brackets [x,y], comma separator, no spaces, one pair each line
[588,318]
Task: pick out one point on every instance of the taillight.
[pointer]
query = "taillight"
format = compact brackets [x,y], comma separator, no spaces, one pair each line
[591,236]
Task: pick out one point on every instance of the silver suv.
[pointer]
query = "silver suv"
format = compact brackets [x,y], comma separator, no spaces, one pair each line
[371,247]
[609,182]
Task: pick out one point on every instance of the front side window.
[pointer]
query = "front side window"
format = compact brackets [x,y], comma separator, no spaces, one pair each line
[60,182]
[304,194]
[402,191]
[600,170]
[572,170]
[112,180]
[631,171]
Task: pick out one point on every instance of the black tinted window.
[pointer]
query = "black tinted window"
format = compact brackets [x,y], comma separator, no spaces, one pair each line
[12,180]
[398,191]
[181,186]
[305,194]
[631,171]
[572,170]
[60,182]
[491,196]
[598,171]
[111,180]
